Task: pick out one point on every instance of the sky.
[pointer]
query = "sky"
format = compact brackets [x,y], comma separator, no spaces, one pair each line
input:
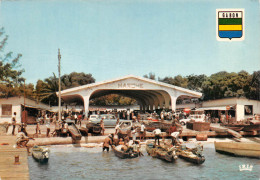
[114,38]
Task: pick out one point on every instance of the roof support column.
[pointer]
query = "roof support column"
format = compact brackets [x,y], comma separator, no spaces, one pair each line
[86,105]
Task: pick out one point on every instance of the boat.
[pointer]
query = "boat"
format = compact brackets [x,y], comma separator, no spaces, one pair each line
[166,154]
[73,130]
[245,149]
[128,154]
[41,154]
[243,127]
[190,155]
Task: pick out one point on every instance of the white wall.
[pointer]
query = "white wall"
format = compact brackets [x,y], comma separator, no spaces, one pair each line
[240,106]
[8,119]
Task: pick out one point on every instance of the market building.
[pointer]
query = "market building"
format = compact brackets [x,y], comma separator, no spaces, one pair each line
[149,94]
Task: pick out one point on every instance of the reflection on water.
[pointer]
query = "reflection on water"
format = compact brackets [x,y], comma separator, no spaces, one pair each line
[92,163]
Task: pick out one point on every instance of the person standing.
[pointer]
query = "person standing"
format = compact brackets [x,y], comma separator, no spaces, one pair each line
[142,132]
[117,128]
[14,122]
[48,126]
[157,134]
[102,126]
[76,118]
[38,129]
[107,142]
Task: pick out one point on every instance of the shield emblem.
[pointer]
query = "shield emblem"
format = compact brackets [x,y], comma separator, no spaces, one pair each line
[230,25]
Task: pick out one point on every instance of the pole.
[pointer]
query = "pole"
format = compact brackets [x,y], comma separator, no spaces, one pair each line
[24,95]
[59,57]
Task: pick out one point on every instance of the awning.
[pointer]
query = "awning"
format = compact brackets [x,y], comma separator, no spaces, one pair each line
[39,108]
[217,108]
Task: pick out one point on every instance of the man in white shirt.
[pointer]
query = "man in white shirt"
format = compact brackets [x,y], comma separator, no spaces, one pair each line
[117,128]
[157,134]
[142,133]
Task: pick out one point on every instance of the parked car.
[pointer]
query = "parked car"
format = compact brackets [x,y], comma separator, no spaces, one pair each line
[109,119]
[94,117]
[195,117]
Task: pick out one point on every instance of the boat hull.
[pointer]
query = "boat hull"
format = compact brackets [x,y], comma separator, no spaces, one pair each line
[238,149]
[124,155]
[40,154]
[195,160]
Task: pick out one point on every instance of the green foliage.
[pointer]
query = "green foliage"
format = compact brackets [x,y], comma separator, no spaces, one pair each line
[46,90]
[150,76]
[10,72]
[176,81]
[112,99]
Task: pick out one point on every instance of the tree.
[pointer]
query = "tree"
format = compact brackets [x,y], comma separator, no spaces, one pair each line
[195,82]
[75,79]
[46,90]
[176,81]
[10,72]
[254,88]
[112,99]
[150,76]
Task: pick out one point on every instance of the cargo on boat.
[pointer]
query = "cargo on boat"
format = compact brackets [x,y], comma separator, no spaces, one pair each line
[238,148]
[190,155]
[160,152]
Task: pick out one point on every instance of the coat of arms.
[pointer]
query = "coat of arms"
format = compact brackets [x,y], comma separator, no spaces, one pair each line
[230,24]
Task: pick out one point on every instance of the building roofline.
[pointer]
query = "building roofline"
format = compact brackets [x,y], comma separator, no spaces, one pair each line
[131,76]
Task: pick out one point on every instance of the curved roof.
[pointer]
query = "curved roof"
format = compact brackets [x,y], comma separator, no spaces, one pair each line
[162,84]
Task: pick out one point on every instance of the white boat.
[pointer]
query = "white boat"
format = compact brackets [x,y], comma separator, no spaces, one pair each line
[40,153]
[238,148]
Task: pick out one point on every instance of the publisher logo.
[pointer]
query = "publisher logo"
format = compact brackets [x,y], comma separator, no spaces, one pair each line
[244,167]
[230,24]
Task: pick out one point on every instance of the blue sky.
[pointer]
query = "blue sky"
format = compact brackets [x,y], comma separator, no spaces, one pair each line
[114,38]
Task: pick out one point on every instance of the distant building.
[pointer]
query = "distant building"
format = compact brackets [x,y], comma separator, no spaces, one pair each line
[238,108]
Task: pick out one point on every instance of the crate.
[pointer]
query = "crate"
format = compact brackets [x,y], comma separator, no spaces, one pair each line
[201,126]
[189,125]
[202,137]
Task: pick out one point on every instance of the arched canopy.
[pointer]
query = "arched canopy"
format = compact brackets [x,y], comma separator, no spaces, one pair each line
[150,94]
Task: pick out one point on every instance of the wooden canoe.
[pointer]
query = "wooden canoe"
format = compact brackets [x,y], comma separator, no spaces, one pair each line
[161,153]
[40,154]
[238,148]
[129,154]
[190,157]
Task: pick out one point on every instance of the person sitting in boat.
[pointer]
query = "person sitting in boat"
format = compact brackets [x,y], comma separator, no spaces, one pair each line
[136,147]
[121,142]
[157,135]
[107,143]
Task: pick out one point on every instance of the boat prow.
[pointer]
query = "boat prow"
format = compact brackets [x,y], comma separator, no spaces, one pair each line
[244,149]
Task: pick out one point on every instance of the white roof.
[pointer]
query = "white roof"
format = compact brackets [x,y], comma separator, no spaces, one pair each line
[136,77]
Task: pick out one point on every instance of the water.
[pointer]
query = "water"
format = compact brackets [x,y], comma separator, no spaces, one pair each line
[91,163]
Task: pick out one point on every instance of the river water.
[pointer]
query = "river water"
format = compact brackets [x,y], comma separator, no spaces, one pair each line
[91,163]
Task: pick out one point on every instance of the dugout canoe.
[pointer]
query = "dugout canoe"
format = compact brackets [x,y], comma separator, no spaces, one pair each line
[41,154]
[238,148]
[191,157]
[128,154]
